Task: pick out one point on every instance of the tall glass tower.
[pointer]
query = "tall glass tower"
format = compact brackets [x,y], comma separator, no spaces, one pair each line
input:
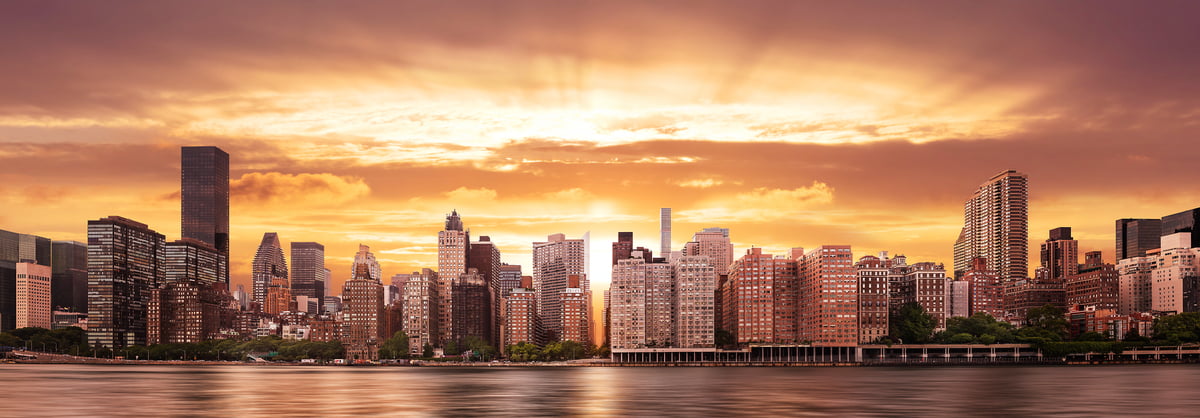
[204,198]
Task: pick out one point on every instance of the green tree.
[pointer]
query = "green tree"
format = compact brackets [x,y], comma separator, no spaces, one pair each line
[977,326]
[395,347]
[1133,336]
[427,351]
[961,338]
[1049,318]
[912,325]
[524,351]
[1177,329]
[1091,336]
[9,340]
[451,348]
[480,349]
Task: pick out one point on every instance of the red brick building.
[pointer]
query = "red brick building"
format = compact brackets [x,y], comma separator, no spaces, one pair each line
[828,302]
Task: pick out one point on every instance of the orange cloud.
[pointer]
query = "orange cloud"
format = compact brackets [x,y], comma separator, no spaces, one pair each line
[305,188]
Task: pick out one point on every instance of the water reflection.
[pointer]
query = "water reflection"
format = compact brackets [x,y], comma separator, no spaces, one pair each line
[80,390]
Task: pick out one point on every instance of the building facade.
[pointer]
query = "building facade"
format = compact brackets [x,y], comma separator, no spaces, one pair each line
[986,289]
[421,300]
[484,257]
[1175,273]
[664,230]
[308,270]
[695,301]
[873,297]
[124,264]
[33,295]
[269,267]
[576,317]
[996,227]
[713,243]
[1097,284]
[627,304]
[68,280]
[1136,236]
[521,323]
[828,296]
[193,259]
[1136,283]
[1060,254]
[554,260]
[362,315]
[204,198]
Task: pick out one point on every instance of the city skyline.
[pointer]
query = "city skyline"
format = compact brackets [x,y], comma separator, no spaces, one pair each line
[831,124]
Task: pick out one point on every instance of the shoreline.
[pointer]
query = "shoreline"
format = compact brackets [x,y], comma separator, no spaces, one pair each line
[934,364]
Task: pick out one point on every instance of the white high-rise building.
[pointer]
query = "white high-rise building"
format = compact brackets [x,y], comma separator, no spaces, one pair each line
[664,228]
[694,301]
[1175,274]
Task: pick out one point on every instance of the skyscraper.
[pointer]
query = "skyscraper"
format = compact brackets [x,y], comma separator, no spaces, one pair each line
[828,295]
[69,281]
[1060,254]
[694,303]
[192,259]
[308,270]
[33,295]
[15,249]
[364,257]
[453,249]
[553,261]
[996,227]
[1183,222]
[873,296]
[362,310]
[269,269]
[664,229]
[627,304]
[472,308]
[124,259]
[576,318]
[421,311]
[204,198]
[484,256]
[521,322]
[760,302]
[1136,236]
[1175,273]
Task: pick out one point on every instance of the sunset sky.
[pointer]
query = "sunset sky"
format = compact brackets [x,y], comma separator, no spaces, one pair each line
[794,124]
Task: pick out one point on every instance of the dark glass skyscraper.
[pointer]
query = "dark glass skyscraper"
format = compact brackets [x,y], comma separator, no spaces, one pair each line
[124,264]
[204,198]
[68,283]
[1135,236]
[1183,222]
[308,270]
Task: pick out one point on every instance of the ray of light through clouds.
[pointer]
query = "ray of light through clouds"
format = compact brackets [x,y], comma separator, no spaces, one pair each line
[792,123]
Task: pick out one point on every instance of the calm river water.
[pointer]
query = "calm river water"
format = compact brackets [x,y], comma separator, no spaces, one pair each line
[237,391]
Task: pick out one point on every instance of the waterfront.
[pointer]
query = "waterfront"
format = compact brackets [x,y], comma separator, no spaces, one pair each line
[99,390]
